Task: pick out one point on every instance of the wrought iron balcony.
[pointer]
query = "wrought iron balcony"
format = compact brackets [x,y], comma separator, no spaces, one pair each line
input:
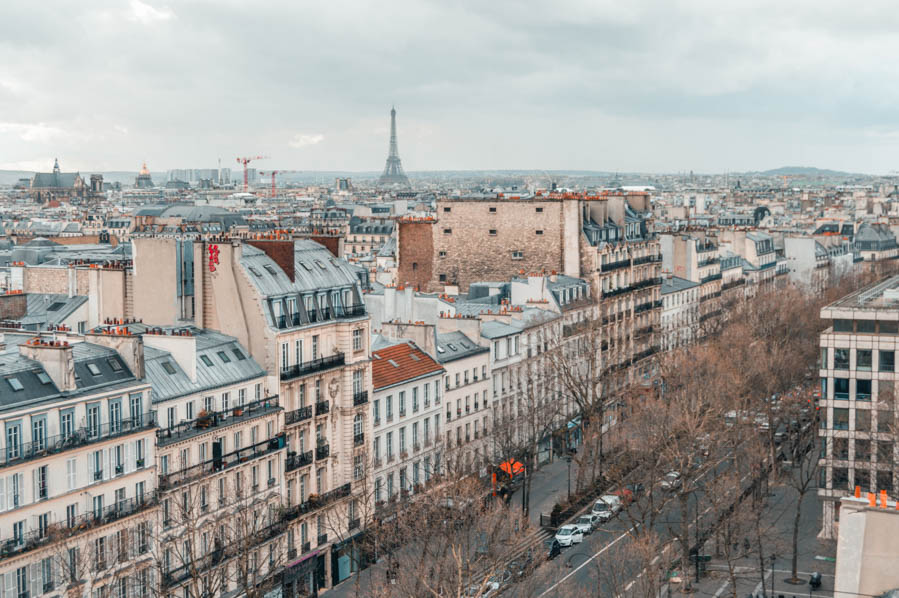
[315,502]
[358,439]
[65,530]
[322,408]
[360,398]
[313,316]
[298,415]
[297,460]
[260,449]
[310,367]
[322,451]
[217,419]
[18,453]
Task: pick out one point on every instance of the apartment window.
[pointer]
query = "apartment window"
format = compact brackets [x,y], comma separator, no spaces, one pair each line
[492,232]
[389,407]
[93,421]
[842,325]
[862,420]
[402,401]
[447,210]
[415,434]
[66,424]
[517,255]
[425,428]
[415,400]
[320,480]
[403,484]
[441,254]
[357,467]
[889,327]
[539,210]
[863,390]
[357,382]
[492,209]
[865,326]
[447,231]
[863,359]
[315,347]
[389,445]
[284,356]
[376,411]
[357,339]
[887,361]
[40,483]
[402,440]
[841,388]
[318,391]
[442,277]
[840,419]
[539,232]
[390,484]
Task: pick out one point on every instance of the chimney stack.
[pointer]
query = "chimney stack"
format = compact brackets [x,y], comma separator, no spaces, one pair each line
[56,359]
[130,347]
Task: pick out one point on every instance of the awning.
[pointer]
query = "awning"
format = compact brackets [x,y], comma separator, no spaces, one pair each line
[512,467]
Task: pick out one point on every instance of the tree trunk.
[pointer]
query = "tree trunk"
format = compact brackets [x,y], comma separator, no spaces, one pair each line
[795,564]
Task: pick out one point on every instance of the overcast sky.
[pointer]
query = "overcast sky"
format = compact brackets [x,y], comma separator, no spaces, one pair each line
[631,85]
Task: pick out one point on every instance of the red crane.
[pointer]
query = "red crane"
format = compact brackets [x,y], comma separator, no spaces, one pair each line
[246,161]
[273,173]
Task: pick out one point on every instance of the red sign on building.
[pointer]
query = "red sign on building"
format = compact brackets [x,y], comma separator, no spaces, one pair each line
[213,257]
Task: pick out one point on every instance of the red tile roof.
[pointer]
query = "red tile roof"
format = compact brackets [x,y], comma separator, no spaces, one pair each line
[411,362]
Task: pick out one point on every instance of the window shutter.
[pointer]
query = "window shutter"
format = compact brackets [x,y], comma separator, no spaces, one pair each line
[129,463]
[108,460]
[2,506]
[36,586]
[91,468]
[21,488]
[35,478]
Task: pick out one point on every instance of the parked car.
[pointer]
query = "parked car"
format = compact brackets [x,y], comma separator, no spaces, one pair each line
[553,548]
[489,589]
[569,535]
[671,481]
[606,507]
[587,523]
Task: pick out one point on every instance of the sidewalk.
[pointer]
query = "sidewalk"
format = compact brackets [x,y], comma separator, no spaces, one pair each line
[549,485]
[814,555]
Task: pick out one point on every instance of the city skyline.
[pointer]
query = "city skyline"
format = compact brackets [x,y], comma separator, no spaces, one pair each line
[578,86]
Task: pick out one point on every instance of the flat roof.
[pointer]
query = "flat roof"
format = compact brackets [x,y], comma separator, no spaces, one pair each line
[880,296]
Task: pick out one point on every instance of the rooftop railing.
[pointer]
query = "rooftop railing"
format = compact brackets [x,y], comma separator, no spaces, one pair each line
[310,367]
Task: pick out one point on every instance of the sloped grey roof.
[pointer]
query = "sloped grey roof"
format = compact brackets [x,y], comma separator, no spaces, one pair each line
[456,345]
[46,309]
[54,179]
[315,270]
[676,283]
[209,344]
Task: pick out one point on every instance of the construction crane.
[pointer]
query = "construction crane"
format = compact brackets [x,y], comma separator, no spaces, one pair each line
[244,162]
[273,173]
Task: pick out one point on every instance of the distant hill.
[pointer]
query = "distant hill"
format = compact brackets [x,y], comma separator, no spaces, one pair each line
[803,171]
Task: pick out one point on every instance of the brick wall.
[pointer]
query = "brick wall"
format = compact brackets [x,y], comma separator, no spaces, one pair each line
[281,252]
[483,234]
[13,307]
[415,253]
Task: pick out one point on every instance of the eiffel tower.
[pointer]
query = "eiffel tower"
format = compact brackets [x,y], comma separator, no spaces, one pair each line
[393,171]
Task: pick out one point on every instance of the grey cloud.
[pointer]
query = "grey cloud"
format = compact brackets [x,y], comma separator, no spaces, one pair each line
[639,85]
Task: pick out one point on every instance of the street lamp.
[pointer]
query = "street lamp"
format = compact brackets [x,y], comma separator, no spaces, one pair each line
[568,459]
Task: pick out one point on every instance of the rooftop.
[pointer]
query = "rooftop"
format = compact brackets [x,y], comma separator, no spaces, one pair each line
[402,362]
[880,296]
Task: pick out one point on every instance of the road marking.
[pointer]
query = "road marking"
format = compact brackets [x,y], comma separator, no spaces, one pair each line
[759,586]
[722,588]
[584,564]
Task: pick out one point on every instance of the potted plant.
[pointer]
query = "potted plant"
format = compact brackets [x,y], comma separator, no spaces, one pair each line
[238,411]
[203,419]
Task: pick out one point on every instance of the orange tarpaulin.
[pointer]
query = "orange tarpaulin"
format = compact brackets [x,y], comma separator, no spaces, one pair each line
[512,467]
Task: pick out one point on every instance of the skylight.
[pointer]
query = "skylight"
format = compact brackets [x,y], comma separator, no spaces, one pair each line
[254,271]
[320,265]
[414,356]
[305,265]
[238,354]
[393,363]
[55,306]
[43,377]
[451,346]
[167,366]
[114,364]
[15,384]
[440,349]
[93,369]
[206,360]
[270,270]
[224,357]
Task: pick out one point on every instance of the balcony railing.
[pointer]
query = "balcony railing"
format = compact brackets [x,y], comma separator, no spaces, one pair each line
[297,460]
[217,419]
[310,367]
[322,408]
[360,398]
[315,502]
[51,445]
[84,522]
[647,259]
[614,265]
[298,415]
[237,457]
[358,439]
[322,315]
[710,278]
[322,451]
[322,539]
